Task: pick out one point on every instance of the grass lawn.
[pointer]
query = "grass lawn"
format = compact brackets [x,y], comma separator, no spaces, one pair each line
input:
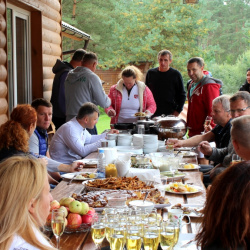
[103,123]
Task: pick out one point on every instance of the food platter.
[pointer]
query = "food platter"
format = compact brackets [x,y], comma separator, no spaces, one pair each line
[191,189]
[80,176]
[176,176]
[188,169]
[140,114]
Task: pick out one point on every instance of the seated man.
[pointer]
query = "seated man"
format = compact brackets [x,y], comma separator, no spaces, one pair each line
[239,106]
[38,142]
[72,141]
[240,136]
[220,134]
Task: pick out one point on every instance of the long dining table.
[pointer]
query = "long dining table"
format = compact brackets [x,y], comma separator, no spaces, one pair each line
[83,240]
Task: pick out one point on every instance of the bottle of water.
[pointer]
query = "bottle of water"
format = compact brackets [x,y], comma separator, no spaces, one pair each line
[101,164]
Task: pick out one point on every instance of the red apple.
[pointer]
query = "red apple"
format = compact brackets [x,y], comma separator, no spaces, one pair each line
[87,218]
[74,220]
[91,211]
[54,205]
[66,222]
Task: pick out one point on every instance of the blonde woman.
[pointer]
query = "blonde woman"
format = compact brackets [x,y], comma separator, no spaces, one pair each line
[129,96]
[24,204]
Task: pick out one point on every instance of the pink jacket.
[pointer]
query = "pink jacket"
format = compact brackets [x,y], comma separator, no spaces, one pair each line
[146,99]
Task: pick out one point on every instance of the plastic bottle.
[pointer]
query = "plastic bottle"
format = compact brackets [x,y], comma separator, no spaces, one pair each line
[101,164]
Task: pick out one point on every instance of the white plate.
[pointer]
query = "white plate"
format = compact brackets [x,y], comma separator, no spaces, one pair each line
[188,169]
[88,161]
[178,176]
[192,207]
[162,205]
[199,189]
[69,176]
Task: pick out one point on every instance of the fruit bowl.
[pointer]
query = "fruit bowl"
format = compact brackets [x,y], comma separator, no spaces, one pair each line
[84,227]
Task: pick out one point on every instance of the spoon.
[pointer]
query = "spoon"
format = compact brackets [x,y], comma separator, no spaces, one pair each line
[146,195]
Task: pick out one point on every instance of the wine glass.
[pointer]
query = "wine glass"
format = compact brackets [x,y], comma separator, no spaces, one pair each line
[98,230]
[151,237]
[118,238]
[235,159]
[167,236]
[207,122]
[134,237]
[58,224]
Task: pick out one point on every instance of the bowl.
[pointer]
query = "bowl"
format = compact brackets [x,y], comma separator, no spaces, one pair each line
[142,205]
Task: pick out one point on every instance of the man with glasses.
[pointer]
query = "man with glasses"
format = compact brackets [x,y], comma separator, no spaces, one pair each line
[239,106]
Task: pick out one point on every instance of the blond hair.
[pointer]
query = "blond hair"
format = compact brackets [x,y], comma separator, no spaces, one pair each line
[132,71]
[21,181]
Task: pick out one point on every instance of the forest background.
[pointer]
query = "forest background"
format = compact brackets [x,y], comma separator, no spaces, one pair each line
[131,31]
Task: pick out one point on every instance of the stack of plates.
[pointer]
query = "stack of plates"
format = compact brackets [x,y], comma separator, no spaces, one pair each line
[129,149]
[124,140]
[138,140]
[150,143]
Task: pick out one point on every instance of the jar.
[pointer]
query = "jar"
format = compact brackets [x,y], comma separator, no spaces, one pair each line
[110,171]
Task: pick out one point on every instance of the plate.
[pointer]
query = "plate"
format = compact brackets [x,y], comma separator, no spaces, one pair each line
[177,176]
[69,176]
[188,169]
[192,207]
[158,206]
[88,161]
[199,189]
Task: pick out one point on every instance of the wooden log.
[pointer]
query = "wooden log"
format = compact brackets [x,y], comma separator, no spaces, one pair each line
[3,106]
[51,49]
[49,60]
[2,7]
[51,37]
[2,23]
[3,90]
[3,73]
[3,119]
[47,84]
[3,56]
[2,40]
[54,4]
[47,95]
[47,73]
[51,25]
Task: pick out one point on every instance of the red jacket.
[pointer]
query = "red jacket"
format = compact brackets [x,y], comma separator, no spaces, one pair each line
[200,104]
[146,99]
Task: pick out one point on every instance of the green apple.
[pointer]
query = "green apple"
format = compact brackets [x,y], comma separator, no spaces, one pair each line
[75,207]
[64,209]
[67,201]
[85,208]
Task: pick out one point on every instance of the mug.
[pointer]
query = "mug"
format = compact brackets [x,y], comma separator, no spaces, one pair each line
[176,216]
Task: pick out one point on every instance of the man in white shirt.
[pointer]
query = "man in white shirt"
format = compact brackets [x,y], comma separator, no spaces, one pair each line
[72,141]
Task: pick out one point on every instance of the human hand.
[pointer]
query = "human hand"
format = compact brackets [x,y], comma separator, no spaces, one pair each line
[113,131]
[174,142]
[111,113]
[76,167]
[148,113]
[205,148]
[44,161]
[175,113]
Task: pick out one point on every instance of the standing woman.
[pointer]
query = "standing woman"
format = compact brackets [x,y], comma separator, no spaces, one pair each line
[246,86]
[226,220]
[24,204]
[129,96]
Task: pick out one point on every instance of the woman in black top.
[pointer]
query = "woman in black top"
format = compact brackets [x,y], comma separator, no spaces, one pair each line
[246,86]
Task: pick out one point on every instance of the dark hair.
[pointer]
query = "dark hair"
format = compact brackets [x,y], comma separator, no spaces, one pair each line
[87,109]
[197,60]
[40,102]
[227,209]
[89,57]
[78,55]
[241,95]
[165,52]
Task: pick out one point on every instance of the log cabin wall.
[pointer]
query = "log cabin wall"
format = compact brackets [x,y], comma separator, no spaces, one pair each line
[46,47]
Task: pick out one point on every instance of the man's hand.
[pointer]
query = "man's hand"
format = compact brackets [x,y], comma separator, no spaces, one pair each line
[174,142]
[74,167]
[205,148]
[111,113]
[113,131]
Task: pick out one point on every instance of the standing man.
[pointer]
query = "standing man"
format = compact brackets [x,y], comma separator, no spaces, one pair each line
[201,92]
[167,87]
[61,70]
[83,85]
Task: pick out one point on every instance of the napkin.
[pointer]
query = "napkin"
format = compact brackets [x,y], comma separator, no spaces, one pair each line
[145,174]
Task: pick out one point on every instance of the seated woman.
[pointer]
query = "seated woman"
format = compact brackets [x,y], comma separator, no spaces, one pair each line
[15,135]
[25,203]
[246,85]
[130,96]
[226,220]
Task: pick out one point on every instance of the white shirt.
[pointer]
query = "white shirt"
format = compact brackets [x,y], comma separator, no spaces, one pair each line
[19,243]
[72,142]
[130,105]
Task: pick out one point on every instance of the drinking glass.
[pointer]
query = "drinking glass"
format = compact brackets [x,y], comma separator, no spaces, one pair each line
[207,122]
[134,237]
[167,236]
[171,142]
[151,237]
[58,224]
[118,237]
[98,230]
[235,159]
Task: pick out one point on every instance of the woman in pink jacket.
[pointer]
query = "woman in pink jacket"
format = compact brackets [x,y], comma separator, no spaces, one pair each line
[129,96]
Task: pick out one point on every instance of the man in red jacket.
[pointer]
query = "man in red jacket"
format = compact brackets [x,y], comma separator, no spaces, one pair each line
[201,92]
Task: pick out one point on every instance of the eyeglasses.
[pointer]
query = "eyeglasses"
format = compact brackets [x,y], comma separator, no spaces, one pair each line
[238,110]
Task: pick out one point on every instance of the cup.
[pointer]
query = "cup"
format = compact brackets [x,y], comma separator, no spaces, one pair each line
[171,142]
[176,216]
[141,129]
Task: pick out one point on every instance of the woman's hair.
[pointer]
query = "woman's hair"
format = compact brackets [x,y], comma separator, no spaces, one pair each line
[22,179]
[13,133]
[132,71]
[226,220]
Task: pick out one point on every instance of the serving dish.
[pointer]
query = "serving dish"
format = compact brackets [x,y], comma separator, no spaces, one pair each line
[175,188]
[181,167]
[80,176]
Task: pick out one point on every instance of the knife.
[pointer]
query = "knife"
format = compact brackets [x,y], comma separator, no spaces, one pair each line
[72,179]
[186,245]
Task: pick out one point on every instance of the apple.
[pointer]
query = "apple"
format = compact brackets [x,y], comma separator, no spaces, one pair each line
[67,201]
[54,205]
[62,201]
[66,222]
[74,220]
[91,211]
[65,210]
[48,220]
[75,207]
[85,208]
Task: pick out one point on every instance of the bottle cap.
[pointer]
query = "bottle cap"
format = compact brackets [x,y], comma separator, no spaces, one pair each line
[101,150]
